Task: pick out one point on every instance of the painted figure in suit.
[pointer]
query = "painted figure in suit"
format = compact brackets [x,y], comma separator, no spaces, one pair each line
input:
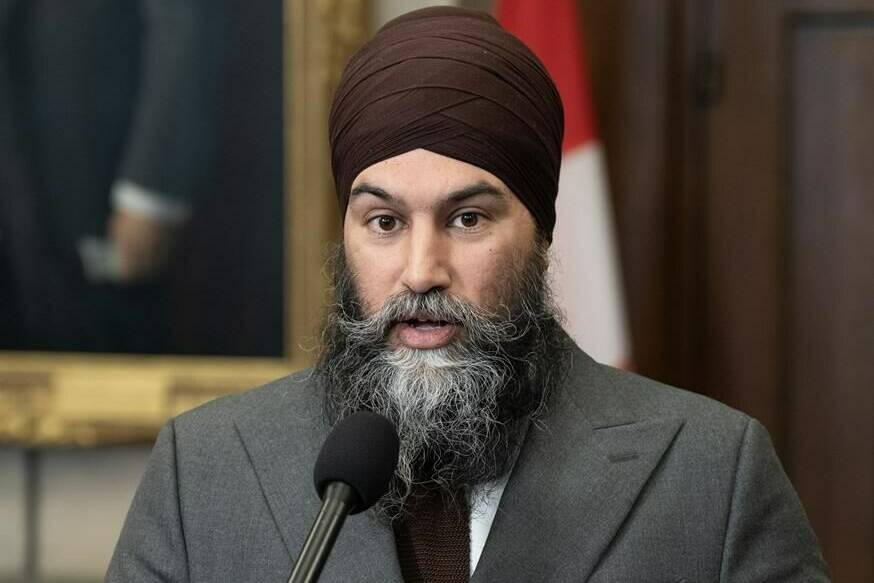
[108,137]
[521,459]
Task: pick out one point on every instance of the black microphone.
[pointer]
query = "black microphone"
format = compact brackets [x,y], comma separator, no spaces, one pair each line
[352,472]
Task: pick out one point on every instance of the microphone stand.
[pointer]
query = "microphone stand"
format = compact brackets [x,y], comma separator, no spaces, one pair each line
[339,500]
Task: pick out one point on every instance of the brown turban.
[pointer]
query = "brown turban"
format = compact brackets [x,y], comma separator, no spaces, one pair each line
[452,81]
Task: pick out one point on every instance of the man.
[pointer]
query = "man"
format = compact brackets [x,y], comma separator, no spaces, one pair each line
[521,458]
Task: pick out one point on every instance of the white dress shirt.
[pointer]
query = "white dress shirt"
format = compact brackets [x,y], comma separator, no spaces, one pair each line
[483,507]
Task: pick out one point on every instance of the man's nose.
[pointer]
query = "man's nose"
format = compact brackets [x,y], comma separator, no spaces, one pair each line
[426,262]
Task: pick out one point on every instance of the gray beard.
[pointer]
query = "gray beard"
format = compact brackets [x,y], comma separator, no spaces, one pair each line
[460,410]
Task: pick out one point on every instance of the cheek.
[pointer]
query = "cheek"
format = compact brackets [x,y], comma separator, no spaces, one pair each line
[481,274]
[371,275]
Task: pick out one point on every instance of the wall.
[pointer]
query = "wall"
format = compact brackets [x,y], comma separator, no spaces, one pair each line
[80,500]
[12,485]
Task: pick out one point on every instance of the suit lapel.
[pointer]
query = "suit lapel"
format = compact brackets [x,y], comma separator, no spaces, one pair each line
[575,482]
[283,438]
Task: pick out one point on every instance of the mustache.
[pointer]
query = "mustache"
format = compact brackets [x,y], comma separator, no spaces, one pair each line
[496,324]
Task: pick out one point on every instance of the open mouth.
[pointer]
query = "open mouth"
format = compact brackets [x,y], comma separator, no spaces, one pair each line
[423,333]
[417,323]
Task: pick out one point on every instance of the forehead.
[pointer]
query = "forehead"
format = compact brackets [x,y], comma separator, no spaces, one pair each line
[423,177]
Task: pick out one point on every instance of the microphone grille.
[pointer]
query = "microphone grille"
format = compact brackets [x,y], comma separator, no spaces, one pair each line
[362,451]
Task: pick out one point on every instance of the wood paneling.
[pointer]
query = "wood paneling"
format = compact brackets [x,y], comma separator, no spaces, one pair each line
[830,291]
[627,44]
[742,213]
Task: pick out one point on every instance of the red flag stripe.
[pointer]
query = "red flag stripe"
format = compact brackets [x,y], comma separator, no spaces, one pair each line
[551,28]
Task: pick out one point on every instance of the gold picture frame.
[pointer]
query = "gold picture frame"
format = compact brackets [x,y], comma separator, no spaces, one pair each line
[88,400]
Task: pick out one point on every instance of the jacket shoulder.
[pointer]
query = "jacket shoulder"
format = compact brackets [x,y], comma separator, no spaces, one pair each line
[296,392]
[608,396]
[655,399]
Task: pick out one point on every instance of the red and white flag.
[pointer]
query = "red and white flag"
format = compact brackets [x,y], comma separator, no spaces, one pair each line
[586,272]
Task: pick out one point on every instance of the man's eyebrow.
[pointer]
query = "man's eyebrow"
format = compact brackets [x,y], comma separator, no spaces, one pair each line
[365,188]
[474,190]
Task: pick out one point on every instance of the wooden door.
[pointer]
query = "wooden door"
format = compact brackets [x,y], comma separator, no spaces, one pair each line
[788,207]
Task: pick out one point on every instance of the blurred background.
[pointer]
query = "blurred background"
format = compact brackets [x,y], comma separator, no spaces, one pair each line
[726,145]
[141,156]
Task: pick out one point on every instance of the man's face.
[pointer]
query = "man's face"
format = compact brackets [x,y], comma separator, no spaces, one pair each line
[421,221]
[442,320]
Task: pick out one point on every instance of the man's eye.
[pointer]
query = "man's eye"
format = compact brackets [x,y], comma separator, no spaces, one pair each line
[385,223]
[466,220]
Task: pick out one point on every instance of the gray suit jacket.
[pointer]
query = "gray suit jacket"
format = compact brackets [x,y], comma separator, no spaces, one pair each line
[623,480]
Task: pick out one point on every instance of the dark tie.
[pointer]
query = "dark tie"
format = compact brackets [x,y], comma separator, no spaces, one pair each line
[433,539]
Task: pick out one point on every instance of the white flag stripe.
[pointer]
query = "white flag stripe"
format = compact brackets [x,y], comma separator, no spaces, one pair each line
[585,259]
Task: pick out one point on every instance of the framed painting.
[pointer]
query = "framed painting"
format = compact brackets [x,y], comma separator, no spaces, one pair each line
[262,324]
